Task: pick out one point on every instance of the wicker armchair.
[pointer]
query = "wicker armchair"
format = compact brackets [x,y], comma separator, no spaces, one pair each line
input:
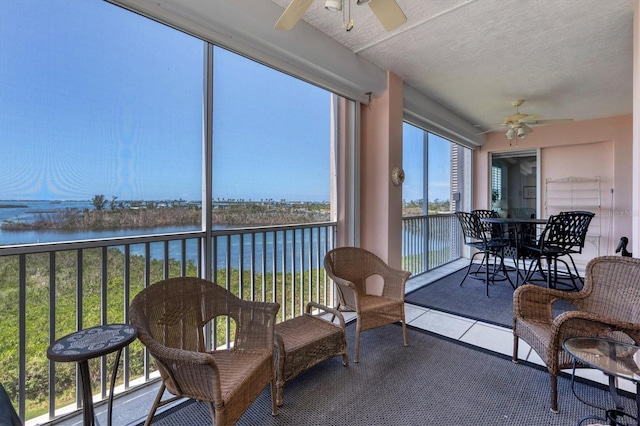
[607,306]
[349,268]
[170,316]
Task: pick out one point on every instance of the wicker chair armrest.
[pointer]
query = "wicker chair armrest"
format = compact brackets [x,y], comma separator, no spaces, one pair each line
[345,285]
[195,374]
[395,281]
[326,309]
[581,323]
[532,301]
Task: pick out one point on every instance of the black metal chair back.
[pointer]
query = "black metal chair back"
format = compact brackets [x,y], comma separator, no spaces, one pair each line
[577,225]
[494,230]
[558,236]
[472,229]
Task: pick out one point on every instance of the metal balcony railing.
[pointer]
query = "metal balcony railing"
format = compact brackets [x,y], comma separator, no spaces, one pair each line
[54,289]
[51,290]
[429,241]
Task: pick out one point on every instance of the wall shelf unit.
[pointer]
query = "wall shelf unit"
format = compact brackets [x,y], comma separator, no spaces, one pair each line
[576,193]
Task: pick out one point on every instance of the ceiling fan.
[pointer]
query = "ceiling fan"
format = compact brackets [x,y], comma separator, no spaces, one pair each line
[517,125]
[387,11]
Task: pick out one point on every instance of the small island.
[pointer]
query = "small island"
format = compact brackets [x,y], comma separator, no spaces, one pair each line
[114,214]
[13,206]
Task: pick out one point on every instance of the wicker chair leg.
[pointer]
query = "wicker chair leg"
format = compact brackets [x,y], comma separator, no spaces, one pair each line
[554,394]
[215,420]
[156,404]
[514,358]
[404,332]
[356,355]
[280,392]
[274,404]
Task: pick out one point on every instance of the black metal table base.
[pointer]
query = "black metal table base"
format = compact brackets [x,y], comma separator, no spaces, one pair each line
[613,417]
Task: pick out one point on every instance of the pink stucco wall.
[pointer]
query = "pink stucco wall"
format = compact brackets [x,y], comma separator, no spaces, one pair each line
[602,147]
[380,151]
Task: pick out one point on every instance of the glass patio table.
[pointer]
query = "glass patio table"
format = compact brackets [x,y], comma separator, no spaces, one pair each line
[616,360]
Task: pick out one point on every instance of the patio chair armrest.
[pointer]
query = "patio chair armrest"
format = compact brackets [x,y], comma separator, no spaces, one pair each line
[347,291]
[532,301]
[395,281]
[581,323]
[344,283]
[326,309]
[193,374]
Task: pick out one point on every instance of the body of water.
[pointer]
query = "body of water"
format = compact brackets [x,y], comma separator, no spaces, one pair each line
[233,249]
[29,211]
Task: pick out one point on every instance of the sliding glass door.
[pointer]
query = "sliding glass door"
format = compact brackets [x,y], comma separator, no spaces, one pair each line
[514,183]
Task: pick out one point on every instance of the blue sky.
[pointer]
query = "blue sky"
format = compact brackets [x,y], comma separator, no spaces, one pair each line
[98,100]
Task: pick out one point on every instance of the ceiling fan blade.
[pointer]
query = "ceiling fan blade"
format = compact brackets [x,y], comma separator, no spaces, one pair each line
[292,14]
[490,130]
[492,124]
[554,121]
[388,13]
[527,118]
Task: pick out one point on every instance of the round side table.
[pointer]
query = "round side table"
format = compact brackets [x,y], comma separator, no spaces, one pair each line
[615,359]
[84,345]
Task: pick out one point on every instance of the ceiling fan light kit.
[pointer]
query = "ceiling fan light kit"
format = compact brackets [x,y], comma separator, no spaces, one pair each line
[523,131]
[517,124]
[333,5]
[387,11]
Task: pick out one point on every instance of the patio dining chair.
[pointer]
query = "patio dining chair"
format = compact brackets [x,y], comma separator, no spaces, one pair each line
[171,316]
[350,268]
[487,242]
[563,235]
[578,227]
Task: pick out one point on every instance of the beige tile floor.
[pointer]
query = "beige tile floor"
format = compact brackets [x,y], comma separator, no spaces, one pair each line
[131,408]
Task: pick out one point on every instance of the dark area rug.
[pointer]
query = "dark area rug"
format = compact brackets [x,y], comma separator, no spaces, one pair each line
[434,381]
[470,300]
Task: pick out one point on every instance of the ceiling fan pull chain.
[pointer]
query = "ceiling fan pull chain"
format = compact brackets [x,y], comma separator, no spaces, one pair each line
[349,21]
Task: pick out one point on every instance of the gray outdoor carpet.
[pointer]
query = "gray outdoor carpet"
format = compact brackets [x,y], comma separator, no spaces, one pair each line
[470,300]
[434,381]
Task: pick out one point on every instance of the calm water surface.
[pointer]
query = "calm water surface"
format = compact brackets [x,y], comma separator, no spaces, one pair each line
[32,209]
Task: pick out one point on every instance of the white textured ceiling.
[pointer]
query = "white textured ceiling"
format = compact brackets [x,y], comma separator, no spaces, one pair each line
[566,58]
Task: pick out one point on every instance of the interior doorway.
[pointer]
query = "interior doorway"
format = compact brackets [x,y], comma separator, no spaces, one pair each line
[514,183]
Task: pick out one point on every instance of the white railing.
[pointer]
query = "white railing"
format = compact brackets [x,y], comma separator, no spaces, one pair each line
[429,241]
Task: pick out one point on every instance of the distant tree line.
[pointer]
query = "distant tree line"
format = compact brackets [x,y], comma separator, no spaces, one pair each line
[100,202]
[114,214]
[415,207]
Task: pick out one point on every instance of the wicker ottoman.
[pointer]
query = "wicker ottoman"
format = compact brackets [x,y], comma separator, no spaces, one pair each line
[305,341]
